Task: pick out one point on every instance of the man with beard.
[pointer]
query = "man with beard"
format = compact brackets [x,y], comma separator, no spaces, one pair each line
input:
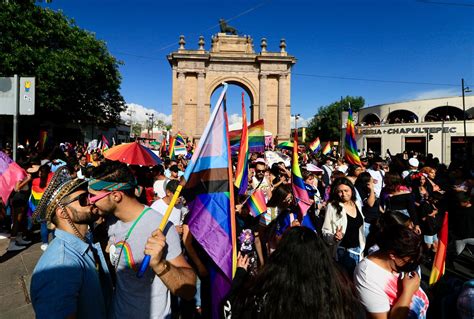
[133,232]
[71,279]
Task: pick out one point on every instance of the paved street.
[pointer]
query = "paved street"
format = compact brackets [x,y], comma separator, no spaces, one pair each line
[15,270]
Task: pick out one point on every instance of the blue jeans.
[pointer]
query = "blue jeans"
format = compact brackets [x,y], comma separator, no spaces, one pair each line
[348,258]
[45,233]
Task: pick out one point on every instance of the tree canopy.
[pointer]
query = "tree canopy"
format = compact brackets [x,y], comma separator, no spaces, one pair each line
[326,123]
[76,76]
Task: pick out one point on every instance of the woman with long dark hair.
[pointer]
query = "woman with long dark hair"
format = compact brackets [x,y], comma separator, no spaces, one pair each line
[343,226]
[387,281]
[300,280]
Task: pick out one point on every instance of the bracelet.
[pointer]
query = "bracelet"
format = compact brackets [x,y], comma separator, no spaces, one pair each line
[165,269]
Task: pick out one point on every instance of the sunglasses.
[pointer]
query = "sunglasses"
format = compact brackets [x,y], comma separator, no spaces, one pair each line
[260,171]
[95,198]
[82,198]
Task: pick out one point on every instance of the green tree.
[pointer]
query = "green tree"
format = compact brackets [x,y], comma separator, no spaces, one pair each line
[76,77]
[326,123]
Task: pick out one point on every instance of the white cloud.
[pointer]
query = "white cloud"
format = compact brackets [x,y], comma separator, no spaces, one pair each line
[302,122]
[139,114]
[434,94]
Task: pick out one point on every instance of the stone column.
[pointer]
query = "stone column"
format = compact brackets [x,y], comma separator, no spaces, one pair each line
[200,120]
[282,133]
[263,97]
[180,120]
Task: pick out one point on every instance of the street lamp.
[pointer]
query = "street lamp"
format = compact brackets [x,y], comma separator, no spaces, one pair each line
[296,116]
[150,118]
[464,90]
[130,113]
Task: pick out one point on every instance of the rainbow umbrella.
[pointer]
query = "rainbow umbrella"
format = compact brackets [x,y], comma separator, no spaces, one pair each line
[132,153]
[286,145]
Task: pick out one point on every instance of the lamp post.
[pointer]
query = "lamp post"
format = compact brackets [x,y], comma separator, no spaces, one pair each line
[130,113]
[297,116]
[150,118]
[464,90]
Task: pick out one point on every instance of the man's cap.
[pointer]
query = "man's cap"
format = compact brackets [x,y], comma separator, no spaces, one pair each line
[61,185]
[413,162]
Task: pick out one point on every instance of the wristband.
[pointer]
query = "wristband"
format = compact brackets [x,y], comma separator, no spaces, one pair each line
[165,269]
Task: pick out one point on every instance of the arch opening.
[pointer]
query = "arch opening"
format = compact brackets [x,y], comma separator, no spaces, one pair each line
[234,102]
[402,116]
[445,113]
[370,119]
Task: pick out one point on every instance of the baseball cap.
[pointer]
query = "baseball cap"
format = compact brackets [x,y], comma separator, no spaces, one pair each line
[413,162]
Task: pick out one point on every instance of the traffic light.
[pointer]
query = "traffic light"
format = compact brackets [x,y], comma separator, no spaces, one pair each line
[430,137]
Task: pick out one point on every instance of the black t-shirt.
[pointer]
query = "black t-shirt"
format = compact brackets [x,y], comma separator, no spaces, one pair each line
[351,237]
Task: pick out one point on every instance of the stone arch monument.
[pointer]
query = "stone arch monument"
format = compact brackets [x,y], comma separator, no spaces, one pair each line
[265,76]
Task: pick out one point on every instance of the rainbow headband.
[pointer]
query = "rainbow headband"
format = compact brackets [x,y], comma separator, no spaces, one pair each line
[99,185]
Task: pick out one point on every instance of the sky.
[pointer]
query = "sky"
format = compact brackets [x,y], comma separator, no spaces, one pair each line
[385,51]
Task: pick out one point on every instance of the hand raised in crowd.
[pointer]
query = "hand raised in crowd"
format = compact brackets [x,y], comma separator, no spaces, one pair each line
[338,235]
[243,261]
[410,283]
[154,247]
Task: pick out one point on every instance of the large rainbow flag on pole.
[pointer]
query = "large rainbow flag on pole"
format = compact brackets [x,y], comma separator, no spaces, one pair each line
[351,155]
[440,258]
[241,174]
[256,137]
[315,145]
[209,193]
[297,183]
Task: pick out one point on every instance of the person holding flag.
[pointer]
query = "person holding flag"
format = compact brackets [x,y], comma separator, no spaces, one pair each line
[133,233]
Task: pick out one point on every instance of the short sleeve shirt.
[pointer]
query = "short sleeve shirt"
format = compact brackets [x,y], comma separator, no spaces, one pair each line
[145,297]
[378,290]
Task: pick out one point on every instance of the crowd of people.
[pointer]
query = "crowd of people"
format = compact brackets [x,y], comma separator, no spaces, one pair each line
[355,253]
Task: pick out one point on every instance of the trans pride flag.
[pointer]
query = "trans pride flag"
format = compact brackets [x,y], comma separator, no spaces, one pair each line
[297,183]
[209,193]
[315,145]
[350,145]
[10,174]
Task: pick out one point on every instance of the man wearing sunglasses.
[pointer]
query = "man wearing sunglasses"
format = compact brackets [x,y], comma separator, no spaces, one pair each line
[71,279]
[133,231]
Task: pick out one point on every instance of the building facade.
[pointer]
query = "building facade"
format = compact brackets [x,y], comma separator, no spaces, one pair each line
[441,126]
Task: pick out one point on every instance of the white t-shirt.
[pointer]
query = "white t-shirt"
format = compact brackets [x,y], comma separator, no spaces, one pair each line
[146,297]
[175,216]
[378,290]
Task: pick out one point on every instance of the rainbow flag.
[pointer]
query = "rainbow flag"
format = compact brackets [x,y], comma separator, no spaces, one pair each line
[171,150]
[257,203]
[104,145]
[351,155]
[327,149]
[37,192]
[256,137]
[10,174]
[315,145]
[297,183]
[439,262]
[241,174]
[209,194]
[43,139]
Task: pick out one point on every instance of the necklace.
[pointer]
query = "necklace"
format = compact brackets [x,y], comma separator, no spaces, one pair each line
[117,260]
